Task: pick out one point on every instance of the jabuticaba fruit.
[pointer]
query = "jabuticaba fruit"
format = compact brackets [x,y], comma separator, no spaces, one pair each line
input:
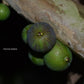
[41,37]
[58,58]
[35,60]
[24,33]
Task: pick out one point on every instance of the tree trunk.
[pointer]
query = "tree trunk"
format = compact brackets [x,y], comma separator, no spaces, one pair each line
[62,15]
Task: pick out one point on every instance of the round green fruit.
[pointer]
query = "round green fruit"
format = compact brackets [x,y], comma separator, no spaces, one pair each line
[41,37]
[59,58]
[4,12]
[35,60]
[24,33]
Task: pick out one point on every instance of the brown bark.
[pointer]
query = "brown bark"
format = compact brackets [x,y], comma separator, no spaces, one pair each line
[63,16]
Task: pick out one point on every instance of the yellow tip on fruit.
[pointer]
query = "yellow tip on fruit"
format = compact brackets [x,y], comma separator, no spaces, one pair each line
[67,59]
[40,34]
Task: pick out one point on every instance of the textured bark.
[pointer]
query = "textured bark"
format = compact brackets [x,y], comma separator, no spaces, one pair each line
[62,15]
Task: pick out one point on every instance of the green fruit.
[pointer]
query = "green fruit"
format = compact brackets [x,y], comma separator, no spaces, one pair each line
[41,37]
[59,58]
[4,12]
[35,60]
[24,33]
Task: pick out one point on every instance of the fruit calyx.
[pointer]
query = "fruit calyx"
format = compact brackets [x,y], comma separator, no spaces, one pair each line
[67,59]
[40,34]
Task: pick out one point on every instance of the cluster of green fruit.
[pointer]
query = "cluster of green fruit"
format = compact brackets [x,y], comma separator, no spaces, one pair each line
[42,40]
